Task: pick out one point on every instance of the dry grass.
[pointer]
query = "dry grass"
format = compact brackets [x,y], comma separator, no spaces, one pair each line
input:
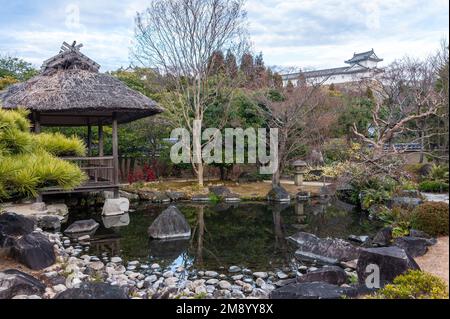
[250,191]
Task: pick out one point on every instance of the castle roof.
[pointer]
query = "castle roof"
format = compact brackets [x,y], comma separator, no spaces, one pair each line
[364,56]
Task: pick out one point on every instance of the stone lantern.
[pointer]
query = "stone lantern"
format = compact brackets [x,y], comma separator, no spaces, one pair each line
[300,170]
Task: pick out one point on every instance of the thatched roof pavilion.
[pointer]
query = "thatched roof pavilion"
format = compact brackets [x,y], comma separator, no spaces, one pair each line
[69,91]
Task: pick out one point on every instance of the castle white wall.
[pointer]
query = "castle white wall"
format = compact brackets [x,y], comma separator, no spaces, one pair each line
[336,79]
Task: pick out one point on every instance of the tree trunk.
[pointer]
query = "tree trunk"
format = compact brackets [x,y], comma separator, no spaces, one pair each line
[422,142]
[276,177]
[222,173]
[200,174]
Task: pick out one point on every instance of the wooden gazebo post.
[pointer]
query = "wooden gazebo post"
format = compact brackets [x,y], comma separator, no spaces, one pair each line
[100,140]
[115,151]
[89,137]
[37,122]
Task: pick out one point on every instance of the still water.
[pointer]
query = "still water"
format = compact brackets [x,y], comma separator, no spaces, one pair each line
[247,234]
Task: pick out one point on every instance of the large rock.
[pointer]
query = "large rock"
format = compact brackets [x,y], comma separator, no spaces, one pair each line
[315,258]
[49,222]
[278,194]
[115,206]
[383,237]
[59,209]
[81,228]
[128,195]
[391,261]
[13,225]
[332,274]
[34,250]
[176,196]
[312,290]
[224,193]
[93,291]
[330,248]
[14,282]
[170,224]
[405,201]
[414,246]
[200,198]
[220,191]
[421,234]
[154,196]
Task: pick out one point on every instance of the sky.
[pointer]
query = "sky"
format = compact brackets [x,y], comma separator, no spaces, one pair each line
[309,34]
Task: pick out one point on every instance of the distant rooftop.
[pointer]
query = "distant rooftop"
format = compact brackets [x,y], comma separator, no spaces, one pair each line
[363,56]
[354,67]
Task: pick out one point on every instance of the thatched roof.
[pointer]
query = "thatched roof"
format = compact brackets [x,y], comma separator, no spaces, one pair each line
[70,91]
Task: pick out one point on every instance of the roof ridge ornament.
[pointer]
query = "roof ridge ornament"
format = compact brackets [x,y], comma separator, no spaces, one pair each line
[74,47]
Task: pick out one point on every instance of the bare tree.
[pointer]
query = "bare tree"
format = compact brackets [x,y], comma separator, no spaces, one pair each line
[291,117]
[179,37]
[405,96]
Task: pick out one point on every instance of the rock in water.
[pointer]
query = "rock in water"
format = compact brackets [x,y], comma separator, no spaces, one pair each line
[82,227]
[278,194]
[14,282]
[333,275]
[34,251]
[391,262]
[176,196]
[115,206]
[49,222]
[332,249]
[312,290]
[224,193]
[200,198]
[116,221]
[170,224]
[93,291]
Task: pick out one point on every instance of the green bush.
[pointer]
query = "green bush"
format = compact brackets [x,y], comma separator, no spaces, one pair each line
[439,173]
[433,186]
[414,284]
[398,218]
[374,196]
[432,218]
[28,162]
[336,150]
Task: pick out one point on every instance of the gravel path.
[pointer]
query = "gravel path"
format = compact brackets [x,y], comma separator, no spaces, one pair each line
[435,261]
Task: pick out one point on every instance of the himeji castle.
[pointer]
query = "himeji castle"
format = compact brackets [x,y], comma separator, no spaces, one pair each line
[361,66]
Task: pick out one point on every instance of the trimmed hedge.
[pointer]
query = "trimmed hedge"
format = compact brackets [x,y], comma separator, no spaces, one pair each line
[432,218]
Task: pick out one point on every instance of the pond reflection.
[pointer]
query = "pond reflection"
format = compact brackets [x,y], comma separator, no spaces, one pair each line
[247,234]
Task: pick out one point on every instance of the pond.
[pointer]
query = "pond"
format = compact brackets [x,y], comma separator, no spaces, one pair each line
[247,234]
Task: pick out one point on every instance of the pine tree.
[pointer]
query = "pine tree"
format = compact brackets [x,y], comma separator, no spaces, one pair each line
[231,65]
[277,80]
[247,67]
[216,63]
[260,71]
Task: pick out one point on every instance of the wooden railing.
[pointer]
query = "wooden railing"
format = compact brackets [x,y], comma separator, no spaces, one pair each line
[100,170]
